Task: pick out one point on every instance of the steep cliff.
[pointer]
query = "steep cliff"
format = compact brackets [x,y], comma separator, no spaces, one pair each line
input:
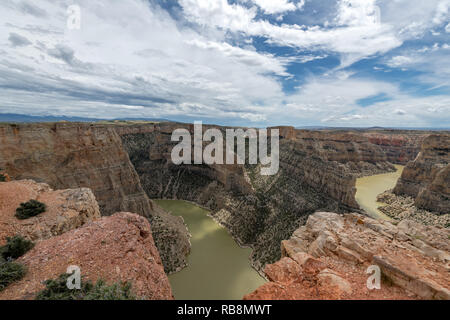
[74,155]
[400,146]
[115,248]
[317,172]
[328,258]
[427,178]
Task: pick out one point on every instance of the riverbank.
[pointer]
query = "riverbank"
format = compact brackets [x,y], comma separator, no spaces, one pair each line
[402,207]
[218,268]
[368,188]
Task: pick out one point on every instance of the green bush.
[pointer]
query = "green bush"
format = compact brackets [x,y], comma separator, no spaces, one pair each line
[30,209]
[10,272]
[2,177]
[15,247]
[57,290]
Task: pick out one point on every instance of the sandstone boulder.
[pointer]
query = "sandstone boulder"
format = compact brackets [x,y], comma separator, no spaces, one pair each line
[334,252]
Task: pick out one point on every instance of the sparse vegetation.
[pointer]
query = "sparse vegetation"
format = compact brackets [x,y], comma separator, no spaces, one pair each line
[30,209]
[2,176]
[57,290]
[10,272]
[15,247]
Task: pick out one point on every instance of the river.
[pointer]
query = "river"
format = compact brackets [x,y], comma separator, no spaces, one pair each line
[218,268]
[368,188]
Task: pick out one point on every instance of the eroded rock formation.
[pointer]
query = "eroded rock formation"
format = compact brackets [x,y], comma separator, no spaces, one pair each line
[317,172]
[74,155]
[399,146]
[329,256]
[66,210]
[427,178]
[115,248]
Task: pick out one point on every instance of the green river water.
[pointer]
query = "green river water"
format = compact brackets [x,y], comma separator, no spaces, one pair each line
[218,268]
[368,188]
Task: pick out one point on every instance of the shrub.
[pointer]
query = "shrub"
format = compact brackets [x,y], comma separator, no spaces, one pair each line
[30,209]
[57,290]
[2,177]
[15,247]
[10,272]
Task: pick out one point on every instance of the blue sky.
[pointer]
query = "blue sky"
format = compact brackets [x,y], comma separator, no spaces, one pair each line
[235,62]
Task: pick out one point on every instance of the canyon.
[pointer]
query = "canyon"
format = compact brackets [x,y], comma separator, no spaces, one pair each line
[127,164]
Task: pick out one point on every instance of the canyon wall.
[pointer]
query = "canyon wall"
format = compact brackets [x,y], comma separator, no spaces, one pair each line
[74,155]
[317,171]
[427,179]
[329,256]
[400,146]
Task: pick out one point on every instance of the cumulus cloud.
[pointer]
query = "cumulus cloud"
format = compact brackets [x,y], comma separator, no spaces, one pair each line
[278,6]
[226,61]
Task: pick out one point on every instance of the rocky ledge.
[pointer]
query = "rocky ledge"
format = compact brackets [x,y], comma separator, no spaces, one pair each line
[83,155]
[403,207]
[329,256]
[66,210]
[116,248]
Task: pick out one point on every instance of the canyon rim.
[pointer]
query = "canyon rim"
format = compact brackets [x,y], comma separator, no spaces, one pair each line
[213,159]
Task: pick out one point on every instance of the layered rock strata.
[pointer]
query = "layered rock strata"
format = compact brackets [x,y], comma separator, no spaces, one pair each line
[317,172]
[403,207]
[115,248]
[329,256]
[399,146]
[427,178]
[74,155]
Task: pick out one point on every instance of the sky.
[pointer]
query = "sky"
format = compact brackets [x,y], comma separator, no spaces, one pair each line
[357,63]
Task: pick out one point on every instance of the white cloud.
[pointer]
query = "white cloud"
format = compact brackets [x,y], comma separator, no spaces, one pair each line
[111,67]
[400,61]
[278,6]
[357,32]
[132,58]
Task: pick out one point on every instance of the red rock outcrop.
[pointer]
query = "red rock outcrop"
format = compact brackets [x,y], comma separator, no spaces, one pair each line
[74,155]
[329,256]
[427,179]
[66,210]
[115,248]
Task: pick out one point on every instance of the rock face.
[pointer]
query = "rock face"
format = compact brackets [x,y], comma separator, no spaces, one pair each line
[400,147]
[71,155]
[115,248]
[427,179]
[317,172]
[403,208]
[74,155]
[66,210]
[328,258]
